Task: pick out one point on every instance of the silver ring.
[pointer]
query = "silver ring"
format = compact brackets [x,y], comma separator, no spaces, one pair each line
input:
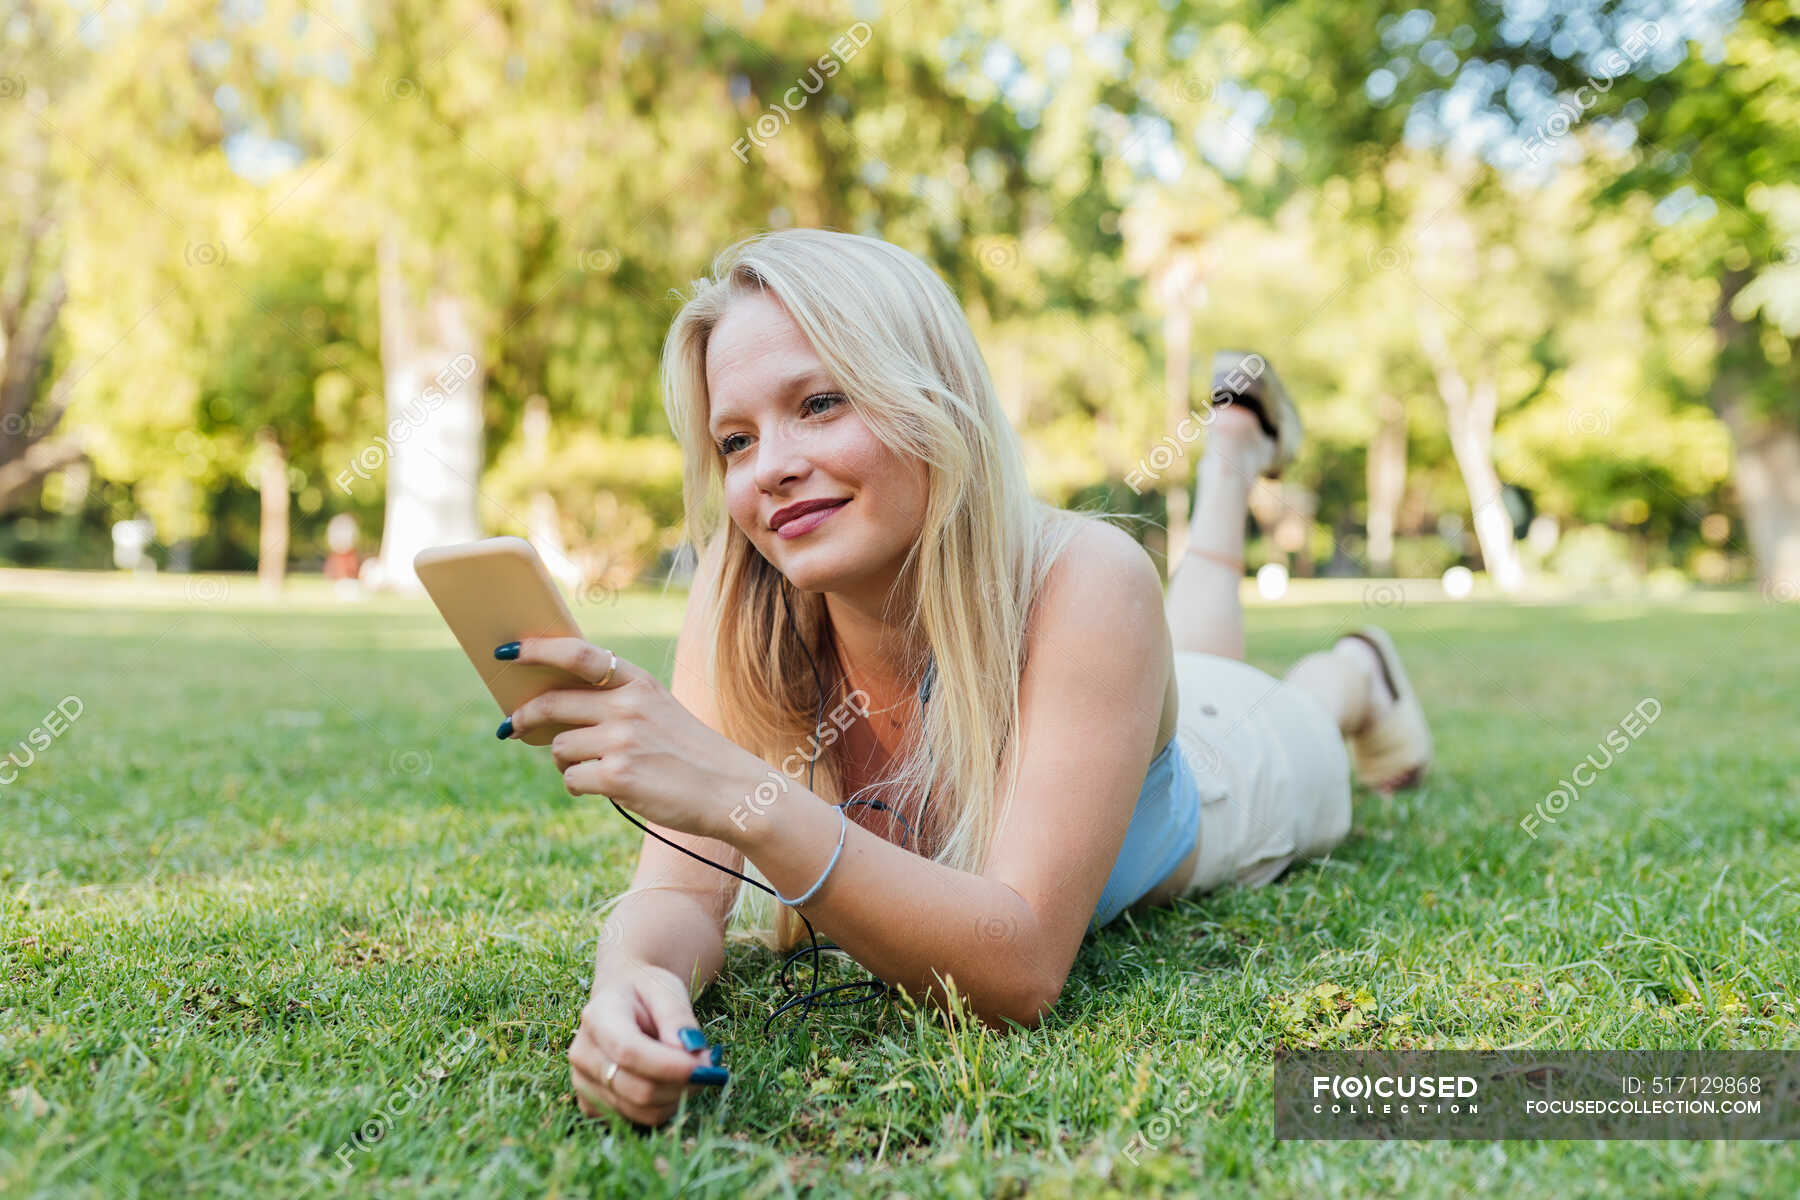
[610,1072]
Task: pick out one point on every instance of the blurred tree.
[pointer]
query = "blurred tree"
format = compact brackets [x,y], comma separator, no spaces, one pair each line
[35,376]
[284,375]
[1285,99]
[149,218]
[523,188]
[537,183]
[1721,153]
[1165,238]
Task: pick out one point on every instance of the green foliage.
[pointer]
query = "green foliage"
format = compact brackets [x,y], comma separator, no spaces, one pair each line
[1720,143]
[1424,557]
[617,499]
[1595,557]
[563,174]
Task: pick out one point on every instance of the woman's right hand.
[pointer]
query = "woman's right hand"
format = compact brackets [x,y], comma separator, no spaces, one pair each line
[634,1018]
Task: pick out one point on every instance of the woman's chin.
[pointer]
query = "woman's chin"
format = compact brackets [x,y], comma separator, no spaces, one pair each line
[820,572]
[810,578]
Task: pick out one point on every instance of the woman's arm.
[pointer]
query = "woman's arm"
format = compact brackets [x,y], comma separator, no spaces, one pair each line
[1090,706]
[662,926]
[675,912]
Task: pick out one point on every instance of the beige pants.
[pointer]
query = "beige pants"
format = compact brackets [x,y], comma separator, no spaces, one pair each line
[1274,775]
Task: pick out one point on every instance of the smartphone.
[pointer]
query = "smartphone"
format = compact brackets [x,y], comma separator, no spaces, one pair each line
[496,591]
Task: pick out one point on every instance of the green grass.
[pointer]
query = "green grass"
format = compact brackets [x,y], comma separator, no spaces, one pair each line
[279,862]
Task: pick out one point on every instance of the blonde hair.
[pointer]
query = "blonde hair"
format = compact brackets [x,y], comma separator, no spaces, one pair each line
[898,345]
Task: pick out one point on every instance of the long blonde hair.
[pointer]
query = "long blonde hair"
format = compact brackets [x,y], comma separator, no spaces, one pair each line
[898,345]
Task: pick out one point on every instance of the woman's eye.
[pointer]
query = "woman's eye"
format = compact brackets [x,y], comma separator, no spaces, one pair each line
[814,406]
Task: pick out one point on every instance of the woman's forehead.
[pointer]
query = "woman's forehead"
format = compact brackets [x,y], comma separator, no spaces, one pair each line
[764,354]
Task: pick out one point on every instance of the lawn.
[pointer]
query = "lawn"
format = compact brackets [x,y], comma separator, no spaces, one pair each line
[278,869]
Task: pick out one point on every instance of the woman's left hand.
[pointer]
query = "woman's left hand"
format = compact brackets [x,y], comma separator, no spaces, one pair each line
[634,742]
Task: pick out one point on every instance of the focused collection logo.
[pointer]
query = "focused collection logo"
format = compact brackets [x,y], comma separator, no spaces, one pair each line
[1533,1094]
[1375,1095]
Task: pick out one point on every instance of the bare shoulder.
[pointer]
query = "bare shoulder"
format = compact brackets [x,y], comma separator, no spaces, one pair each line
[1103,584]
[1099,543]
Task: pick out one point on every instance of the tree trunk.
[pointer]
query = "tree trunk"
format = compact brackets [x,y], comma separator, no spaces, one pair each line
[1386,482]
[1010,382]
[1472,411]
[431,369]
[1178,344]
[1767,452]
[545,521]
[1768,488]
[18,475]
[31,304]
[272,484]
[1474,451]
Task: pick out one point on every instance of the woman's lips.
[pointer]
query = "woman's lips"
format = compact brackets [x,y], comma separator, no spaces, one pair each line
[809,522]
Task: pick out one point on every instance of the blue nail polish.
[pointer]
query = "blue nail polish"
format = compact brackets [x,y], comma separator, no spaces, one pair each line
[505,730]
[510,650]
[712,1076]
[691,1038]
[718,1052]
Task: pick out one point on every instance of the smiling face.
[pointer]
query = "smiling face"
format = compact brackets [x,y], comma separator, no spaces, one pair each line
[788,439]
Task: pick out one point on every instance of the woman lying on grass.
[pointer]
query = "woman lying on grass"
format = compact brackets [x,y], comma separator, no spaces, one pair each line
[1006,675]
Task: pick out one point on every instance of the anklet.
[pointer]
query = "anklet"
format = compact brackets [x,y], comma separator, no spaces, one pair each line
[1237,564]
[843,828]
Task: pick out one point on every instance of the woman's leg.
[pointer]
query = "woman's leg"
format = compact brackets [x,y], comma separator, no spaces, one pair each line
[1272,768]
[1345,680]
[1367,693]
[1204,613]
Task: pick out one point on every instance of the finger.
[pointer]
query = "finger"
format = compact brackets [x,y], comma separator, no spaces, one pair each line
[564,706]
[633,1091]
[600,1086]
[582,659]
[621,1037]
[593,1098]
[577,745]
[671,1010]
[671,1013]
[590,777]
[643,1100]
[590,1094]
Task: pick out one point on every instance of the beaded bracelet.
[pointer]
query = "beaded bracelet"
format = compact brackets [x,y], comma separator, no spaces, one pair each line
[843,828]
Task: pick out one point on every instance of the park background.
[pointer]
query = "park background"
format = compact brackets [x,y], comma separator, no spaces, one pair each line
[271,263]
[293,290]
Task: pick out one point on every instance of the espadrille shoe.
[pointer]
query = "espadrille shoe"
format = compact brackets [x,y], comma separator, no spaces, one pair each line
[1245,378]
[1394,752]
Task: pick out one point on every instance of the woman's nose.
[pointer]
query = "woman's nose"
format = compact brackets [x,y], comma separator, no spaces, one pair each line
[781,458]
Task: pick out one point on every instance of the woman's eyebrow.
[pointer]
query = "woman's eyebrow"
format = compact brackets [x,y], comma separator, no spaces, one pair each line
[787,385]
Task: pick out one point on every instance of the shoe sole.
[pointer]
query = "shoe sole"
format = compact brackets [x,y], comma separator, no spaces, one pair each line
[1275,412]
